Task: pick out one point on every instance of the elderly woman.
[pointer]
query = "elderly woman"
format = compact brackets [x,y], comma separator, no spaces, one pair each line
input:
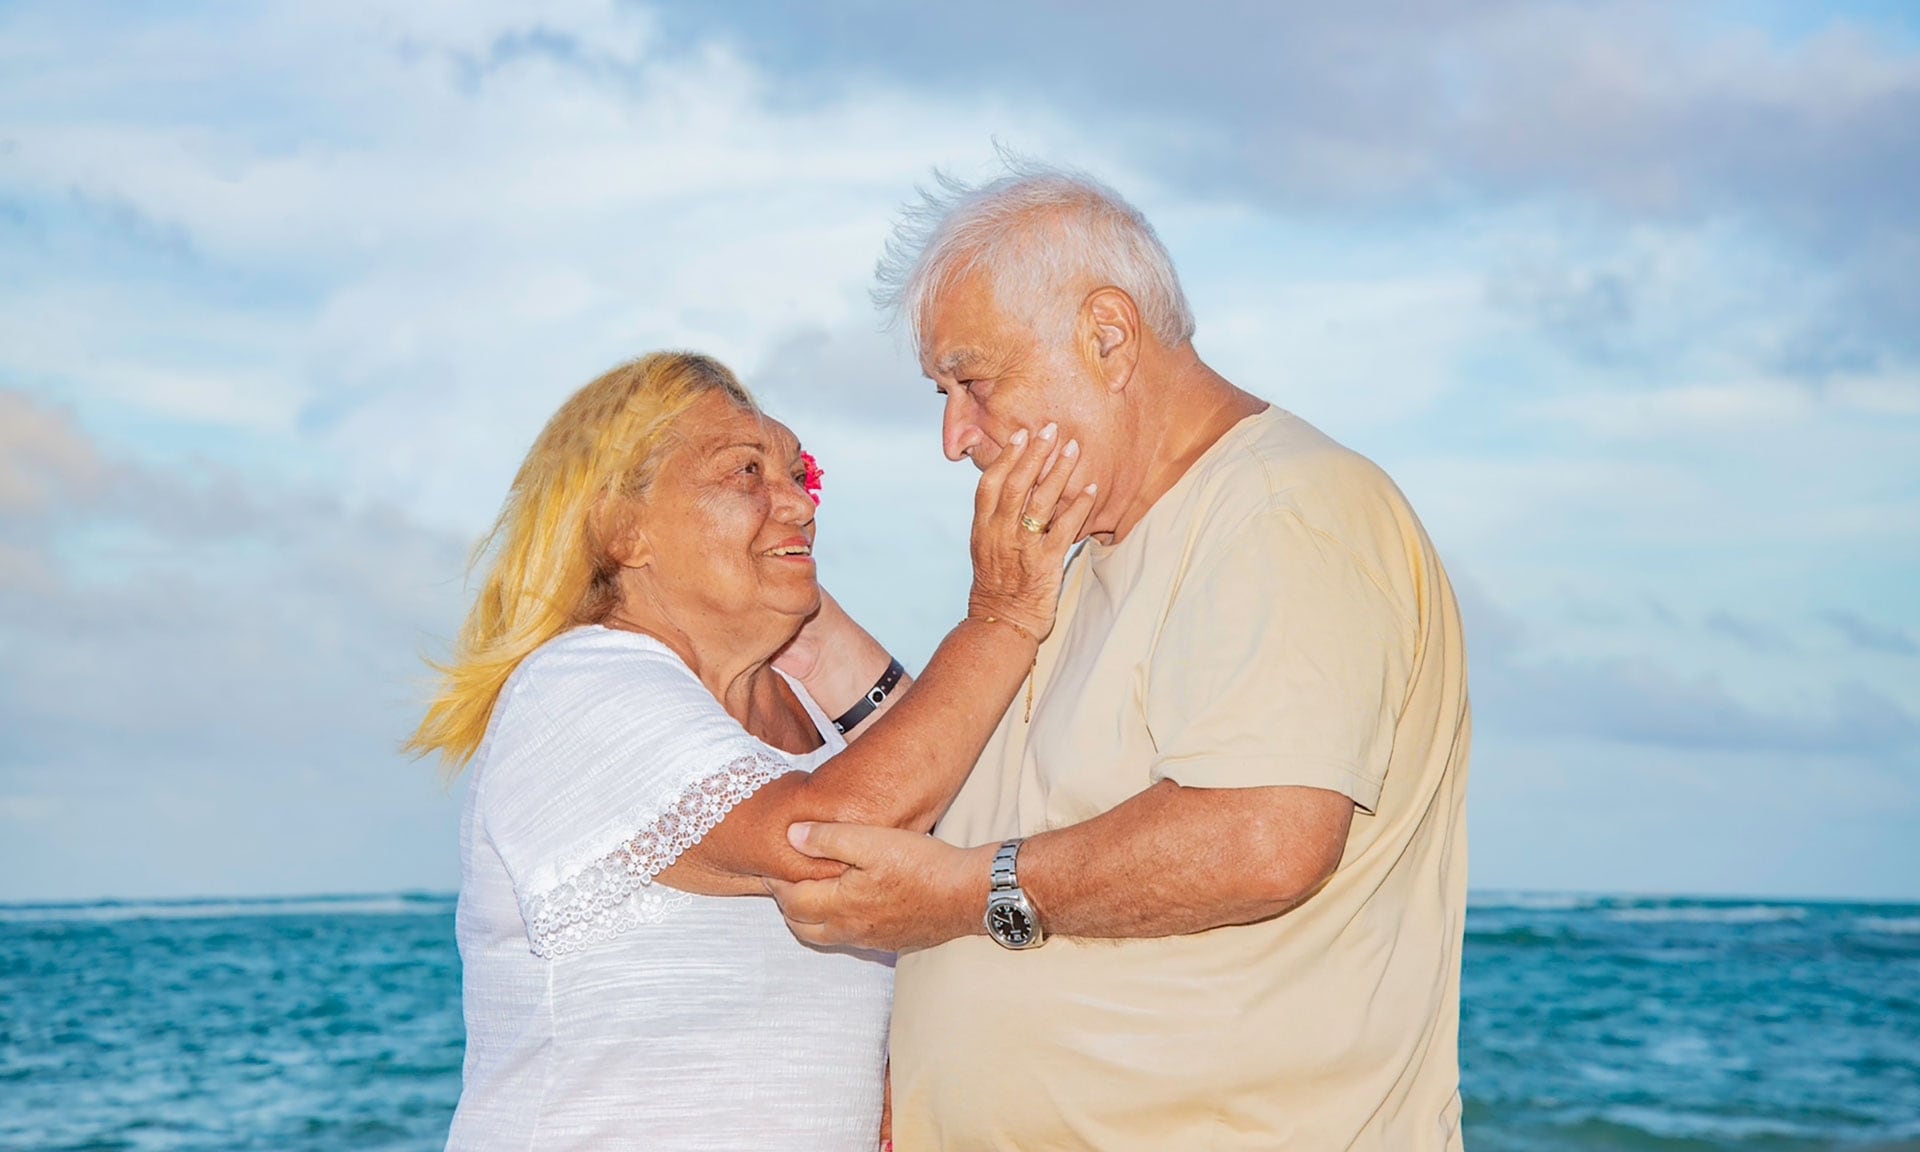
[638,758]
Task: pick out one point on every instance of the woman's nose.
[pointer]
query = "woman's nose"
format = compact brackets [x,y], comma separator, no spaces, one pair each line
[792,503]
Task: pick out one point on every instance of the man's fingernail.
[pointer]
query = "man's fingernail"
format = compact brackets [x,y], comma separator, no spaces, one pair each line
[1049,431]
[797,834]
[1072,448]
[1018,438]
[1092,488]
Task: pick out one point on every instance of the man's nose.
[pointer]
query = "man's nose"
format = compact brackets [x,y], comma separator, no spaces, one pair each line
[958,429]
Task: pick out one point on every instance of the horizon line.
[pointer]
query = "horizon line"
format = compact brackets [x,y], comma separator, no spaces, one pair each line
[427,896]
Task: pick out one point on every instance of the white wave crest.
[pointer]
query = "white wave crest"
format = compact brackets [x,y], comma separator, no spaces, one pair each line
[1708,914]
[112,910]
[1531,901]
[1890,925]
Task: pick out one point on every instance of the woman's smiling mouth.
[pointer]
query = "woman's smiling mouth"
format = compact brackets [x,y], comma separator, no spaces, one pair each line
[796,549]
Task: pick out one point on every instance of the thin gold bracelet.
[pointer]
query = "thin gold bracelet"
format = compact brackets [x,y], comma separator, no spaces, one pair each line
[1033,669]
[1020,628]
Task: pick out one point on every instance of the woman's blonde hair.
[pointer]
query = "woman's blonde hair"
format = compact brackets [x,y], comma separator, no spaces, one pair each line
[547,567]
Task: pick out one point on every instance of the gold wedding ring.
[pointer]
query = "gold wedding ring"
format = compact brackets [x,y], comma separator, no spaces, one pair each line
[1037,527]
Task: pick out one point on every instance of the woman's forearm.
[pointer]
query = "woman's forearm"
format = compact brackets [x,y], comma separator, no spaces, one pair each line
[902,774]
[910,762]
[844,662]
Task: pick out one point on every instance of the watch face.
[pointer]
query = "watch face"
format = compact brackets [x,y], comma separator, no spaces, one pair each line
[1010,924]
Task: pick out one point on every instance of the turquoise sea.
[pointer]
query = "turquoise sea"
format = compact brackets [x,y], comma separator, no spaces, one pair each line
[1588,1024]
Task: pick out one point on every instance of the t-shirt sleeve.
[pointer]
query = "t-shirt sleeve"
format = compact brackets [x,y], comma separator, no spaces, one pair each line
[607,765]
[1282,661]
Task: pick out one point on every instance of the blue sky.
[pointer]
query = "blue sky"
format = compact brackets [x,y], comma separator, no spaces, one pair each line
[1624,295]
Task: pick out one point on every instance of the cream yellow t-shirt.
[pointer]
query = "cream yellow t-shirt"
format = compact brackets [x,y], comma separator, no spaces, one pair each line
[1278,618]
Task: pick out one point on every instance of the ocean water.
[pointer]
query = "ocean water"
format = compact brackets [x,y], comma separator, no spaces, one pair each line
[1625,1024]
[1588,1024]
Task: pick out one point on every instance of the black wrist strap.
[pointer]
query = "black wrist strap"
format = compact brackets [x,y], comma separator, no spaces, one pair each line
[876,695]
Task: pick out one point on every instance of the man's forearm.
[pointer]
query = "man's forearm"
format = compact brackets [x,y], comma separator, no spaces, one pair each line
[1175,860]
[1168,862]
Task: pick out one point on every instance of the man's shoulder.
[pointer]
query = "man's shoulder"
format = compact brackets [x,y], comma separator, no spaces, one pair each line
[1280,463]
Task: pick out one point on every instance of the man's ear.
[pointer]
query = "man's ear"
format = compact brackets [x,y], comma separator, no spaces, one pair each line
[1110,328]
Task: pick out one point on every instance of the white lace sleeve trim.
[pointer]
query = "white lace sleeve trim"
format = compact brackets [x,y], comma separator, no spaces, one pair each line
[596,903]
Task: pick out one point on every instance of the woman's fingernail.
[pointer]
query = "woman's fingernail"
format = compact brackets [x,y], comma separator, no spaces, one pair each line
[1072,448]
[1018,438]
[1092,488]
[1047,433]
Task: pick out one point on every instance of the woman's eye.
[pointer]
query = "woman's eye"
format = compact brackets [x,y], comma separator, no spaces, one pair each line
[752,469]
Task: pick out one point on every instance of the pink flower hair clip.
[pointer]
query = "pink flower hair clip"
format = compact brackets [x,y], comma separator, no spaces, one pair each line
[814,475]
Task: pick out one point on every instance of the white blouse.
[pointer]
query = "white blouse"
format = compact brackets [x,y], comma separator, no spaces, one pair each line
[603,1010]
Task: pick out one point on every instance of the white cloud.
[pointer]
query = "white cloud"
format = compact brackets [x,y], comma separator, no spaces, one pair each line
[479,212]
[189,640]
[1726,409]
[42,457]
[311,277]
[1891,395]
[30,809]
[1351,354]
[1688,410]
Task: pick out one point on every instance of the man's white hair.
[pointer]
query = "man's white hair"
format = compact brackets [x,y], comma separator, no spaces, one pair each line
[1036,232]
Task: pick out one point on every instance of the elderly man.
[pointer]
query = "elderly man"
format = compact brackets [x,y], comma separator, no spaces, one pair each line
[1206,886]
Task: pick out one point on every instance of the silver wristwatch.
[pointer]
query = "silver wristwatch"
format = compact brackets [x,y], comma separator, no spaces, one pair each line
[1011,920]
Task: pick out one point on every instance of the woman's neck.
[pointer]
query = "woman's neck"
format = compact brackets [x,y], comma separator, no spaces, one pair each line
[737,668]
[726,666]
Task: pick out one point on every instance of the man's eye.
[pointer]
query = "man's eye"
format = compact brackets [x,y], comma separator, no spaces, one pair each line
[752,469]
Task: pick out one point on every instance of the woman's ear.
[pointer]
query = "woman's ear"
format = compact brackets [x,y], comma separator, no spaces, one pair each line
[631,550]
[619,525]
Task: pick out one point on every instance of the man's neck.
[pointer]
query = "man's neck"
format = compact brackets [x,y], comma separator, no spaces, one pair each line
[1185,412]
